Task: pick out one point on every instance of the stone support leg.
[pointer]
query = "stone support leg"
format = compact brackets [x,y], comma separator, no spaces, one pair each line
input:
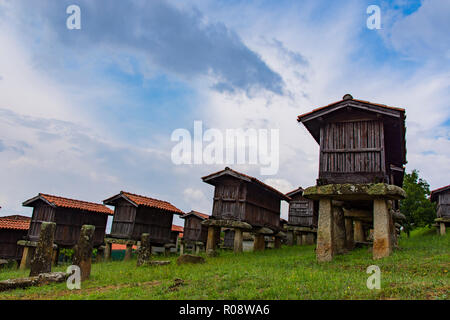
[238,240]
[349,234]
[382,242]
[259,243]
[442,229]
[27,255]
[211,244]
[128,252]
[339,229]
[108,249]
[359,232]
[325,246]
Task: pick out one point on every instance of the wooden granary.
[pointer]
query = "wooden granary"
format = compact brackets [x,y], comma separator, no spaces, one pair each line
[194,231]
[302,211]
[442,198]
[360,142]
[243,203]
[361,169]
[302,220]
[135,214]
[69,215]
[12,229]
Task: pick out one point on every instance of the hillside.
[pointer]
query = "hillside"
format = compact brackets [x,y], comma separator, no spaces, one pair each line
[418,271]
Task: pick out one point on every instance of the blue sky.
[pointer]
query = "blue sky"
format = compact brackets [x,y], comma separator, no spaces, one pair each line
[87,113]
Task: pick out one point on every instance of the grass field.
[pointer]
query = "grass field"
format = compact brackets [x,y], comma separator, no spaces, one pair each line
[420,270]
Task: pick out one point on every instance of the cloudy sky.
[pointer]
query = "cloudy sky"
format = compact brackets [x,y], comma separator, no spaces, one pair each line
[87,113]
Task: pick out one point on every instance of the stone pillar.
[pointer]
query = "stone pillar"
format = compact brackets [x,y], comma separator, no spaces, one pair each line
[128,252]
[108,250]
[259,243]
[339,228]
[82,256]
[100,254]
[238,240]
[442,229]
[299,238]
[55,257]
[27,255]
[304,238]
[197,249]
[290,238]
[181,248]
[309,239]
[145,250]
[211,244]
[349,235]
[277,243]
[42,259]
[325,246]
[382,243]
[359,232]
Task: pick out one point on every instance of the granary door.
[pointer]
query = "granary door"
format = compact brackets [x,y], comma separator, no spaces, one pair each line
[352,151]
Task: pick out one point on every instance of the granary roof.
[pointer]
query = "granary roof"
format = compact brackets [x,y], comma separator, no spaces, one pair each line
[61,202]
[294,192]
[227,171]
[395,117]
[196,213]
[138,200]
[15,222]
[434,193]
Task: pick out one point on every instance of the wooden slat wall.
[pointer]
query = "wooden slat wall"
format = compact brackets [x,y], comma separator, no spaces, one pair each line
[352,147]
[8,243]
[443,207]
[155,222]
[194,230]
[123,222]
[41,213]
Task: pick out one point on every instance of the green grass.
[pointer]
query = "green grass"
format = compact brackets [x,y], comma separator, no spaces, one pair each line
[418,271]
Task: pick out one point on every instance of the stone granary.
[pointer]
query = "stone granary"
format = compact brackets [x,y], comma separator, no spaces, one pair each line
[442,197]
[243,203]
[361,168]
[195,234]
[302,222]
[134,215]
[12,229]
[69,215]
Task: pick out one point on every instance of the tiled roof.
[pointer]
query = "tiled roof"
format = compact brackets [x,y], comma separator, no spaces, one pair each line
[357,100]
[437,191]
[146,201]
[15,223]
[198,214]
[253,179]
[291,193]
[70,203]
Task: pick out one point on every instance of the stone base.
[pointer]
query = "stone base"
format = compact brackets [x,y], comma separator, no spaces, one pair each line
[355,198]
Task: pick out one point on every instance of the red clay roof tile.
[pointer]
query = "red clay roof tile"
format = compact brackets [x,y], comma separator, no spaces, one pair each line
[71,203]
[15,223]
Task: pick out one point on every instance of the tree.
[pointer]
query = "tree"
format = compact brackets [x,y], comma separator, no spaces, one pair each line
[417,208]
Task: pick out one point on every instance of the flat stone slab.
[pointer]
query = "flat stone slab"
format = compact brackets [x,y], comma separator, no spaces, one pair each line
[227,224]
[121,241]
[26,243]
[41,279]
[444,219]
[264,231]
[349,192]
[301,229]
